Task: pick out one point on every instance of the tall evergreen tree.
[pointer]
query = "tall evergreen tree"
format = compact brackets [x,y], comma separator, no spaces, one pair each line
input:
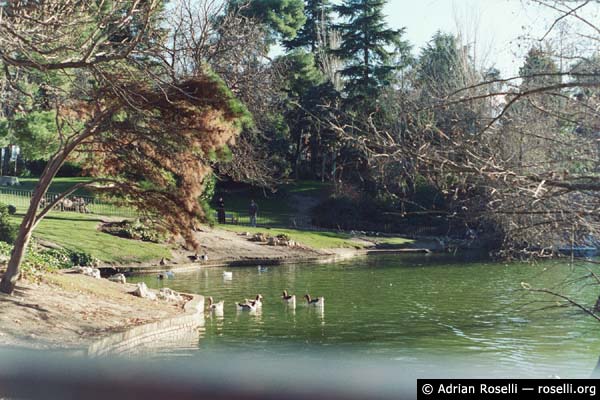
[440,70]
[318,19]
[538,70]
[283,17]
[368,47]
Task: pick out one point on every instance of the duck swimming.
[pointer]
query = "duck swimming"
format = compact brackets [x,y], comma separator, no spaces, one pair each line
[316,302]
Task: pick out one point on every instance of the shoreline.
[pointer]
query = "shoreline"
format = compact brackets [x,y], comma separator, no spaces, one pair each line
[331,256]
[73,312]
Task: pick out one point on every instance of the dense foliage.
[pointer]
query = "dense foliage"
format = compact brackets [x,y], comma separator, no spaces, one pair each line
[405,137]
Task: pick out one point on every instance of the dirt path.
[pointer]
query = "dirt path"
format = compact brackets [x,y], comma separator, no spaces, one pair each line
[225,245]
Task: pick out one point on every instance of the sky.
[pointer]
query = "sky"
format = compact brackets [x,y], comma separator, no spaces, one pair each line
[495,26]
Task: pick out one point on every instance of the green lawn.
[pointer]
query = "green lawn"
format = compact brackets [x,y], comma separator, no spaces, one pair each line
[316,239]
[79,232]
[308,188]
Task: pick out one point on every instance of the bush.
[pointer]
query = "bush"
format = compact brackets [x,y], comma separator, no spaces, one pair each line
[343,212]
[138,230]
[12,210]
[8,231]
[84,259]
[38,260]
[69,168]
[353,211]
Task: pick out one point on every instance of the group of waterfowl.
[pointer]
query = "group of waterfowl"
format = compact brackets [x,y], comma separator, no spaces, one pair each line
[256,303]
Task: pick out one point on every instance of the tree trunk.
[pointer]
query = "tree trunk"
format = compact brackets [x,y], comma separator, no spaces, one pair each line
[315,146]
[297,163]
[9,280]
[324,156]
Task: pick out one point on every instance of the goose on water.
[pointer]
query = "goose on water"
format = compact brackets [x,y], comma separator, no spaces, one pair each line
[257,302]
[316,302]
[245,307]
[216,307]
[288,298]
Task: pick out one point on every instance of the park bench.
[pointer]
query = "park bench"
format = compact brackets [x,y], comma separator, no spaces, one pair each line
[76,204]
[230,218]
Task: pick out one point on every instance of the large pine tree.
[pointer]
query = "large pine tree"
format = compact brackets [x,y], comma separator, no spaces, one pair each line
[310,36]
[368,46]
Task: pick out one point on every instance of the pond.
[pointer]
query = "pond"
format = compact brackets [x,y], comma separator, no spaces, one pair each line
[410,309]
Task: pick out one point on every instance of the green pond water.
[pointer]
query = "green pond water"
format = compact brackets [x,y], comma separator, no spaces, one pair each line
[416,310]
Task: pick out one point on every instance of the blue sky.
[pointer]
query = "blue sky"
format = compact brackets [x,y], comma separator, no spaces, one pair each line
[494,25]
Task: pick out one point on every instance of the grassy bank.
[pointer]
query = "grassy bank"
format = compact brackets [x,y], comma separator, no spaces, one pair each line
[320,239]
[78,232]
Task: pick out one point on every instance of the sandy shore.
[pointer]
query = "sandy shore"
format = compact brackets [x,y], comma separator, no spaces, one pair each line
[226,248]
[70,311]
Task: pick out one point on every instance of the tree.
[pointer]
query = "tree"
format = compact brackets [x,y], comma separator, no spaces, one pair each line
[145,135]
[539,69]
[440,68]
[368,47]
[284,17]
[301,78]
[525,171]
[318,20]
[236,47]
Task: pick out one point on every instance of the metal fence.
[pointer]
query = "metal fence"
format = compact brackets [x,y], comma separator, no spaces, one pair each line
[270,220]
[74,203]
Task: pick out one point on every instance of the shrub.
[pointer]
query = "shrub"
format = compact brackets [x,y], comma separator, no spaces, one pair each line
[69,168]
[38,260]
[8,231]
[137,229]
[343,212]
[12,210]
[84,259]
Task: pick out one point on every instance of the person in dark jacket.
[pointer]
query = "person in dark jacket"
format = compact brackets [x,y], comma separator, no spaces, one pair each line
[253,212]
[221,211]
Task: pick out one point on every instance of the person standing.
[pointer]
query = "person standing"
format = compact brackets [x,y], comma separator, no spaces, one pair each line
[221,211]
[253,211]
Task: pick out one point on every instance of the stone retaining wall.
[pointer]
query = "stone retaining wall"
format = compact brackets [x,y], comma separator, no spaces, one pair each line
[154,335]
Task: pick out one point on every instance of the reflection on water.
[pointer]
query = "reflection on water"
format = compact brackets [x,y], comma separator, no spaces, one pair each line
[410,309]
